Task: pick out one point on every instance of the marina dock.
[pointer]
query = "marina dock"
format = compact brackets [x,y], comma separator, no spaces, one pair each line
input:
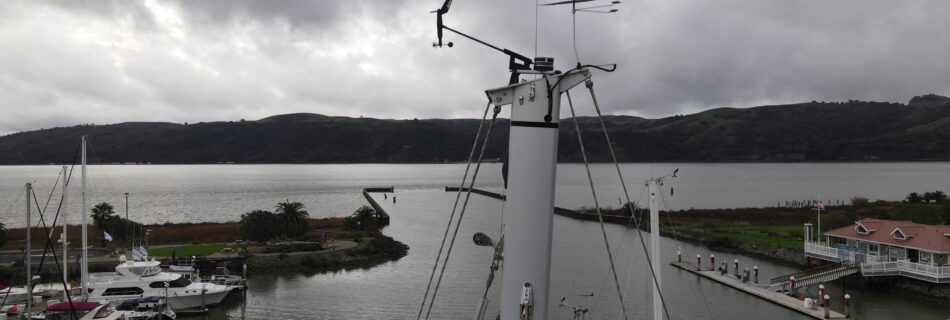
[778,298]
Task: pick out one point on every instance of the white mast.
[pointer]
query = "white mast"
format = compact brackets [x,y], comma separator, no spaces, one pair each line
[29,255]
[532,159]
[63,236]
[84,274]
[655,248]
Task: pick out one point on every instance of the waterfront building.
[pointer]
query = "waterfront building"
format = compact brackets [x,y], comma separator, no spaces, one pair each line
[878,247]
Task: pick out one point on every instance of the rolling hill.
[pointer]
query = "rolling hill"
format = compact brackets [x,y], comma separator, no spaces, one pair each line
[812,131]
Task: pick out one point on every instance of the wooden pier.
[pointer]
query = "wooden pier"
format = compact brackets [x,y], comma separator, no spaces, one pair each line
[780,299]
[381,215]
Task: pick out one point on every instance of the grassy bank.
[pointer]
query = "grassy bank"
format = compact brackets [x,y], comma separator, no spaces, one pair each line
[161,234]
[776,233]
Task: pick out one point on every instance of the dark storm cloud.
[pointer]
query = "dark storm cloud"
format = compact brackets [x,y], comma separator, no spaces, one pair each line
[70,62]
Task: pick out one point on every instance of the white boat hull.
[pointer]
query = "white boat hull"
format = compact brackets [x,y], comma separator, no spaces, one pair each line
[195,301]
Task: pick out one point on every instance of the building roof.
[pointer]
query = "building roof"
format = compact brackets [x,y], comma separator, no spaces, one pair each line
[935,238]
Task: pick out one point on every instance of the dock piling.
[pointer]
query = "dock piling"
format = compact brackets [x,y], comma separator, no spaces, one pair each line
[755,273]
[712,262]
[791,282]
[736,263]
[827,307]
[821,293]
[679,255]
[699,262]
[847,306]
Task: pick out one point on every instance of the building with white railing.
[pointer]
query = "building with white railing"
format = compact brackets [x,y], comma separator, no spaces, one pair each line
[887,248]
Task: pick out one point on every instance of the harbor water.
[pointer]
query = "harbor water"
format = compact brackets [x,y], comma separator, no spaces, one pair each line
[581,275]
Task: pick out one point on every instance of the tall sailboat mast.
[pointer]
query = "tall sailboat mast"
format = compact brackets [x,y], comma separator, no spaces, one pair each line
[532,160]
[84,274]
[65,226]
[655,247]
[29,253]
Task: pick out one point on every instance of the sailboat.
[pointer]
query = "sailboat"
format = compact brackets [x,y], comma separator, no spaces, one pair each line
[138,279]
[524,250]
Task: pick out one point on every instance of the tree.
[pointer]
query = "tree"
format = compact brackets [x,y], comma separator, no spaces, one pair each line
[259,225]
[293,219]
[102,215]
[363,218]
[939,196]
[914,197]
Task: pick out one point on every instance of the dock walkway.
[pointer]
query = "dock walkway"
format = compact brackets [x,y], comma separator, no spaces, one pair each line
[774,297]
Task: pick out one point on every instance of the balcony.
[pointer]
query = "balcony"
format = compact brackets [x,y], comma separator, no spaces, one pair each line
[873,265]
[820,251]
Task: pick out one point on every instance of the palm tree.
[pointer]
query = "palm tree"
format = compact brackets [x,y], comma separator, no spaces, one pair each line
[914,197]
[101,214]
[292,218]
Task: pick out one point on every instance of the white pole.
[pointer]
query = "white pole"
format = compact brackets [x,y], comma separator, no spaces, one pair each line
[819,219]
[84,274]
[65,239]
[532,159]
[655,250]
[29,255]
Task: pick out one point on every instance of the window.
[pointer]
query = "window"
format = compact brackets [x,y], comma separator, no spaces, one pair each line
[873,247]
[181,282]
[103,312]
[861,229]
[899,235]
[127,291]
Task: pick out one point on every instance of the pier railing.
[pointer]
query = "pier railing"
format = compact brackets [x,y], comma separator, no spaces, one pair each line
[843,256]
[936,273]
[879,269]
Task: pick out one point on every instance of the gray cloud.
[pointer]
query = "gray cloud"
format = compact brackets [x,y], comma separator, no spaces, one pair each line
[70,62]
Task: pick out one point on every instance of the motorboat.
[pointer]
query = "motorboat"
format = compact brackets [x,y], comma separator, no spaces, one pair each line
[139,279]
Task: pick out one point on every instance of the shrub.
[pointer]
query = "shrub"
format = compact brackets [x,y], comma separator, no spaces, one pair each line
[918,214]
[859,201]
[259,225]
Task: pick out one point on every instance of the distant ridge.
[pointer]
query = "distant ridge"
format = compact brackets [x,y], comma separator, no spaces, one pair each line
[813,131]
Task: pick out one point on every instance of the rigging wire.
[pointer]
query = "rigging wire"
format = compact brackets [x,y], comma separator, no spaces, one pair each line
[613,155]
[600,216]
[468,195]
[458,195]
[669,219]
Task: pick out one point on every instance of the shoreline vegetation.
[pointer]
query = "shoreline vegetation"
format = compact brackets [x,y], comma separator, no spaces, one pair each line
[291,241]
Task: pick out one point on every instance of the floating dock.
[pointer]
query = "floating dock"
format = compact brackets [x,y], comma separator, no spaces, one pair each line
[774,297]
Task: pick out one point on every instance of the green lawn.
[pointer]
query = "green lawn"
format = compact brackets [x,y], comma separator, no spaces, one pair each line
[780,236]
[187,250]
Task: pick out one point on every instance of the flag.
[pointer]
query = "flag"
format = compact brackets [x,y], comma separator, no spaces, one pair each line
[819,206]
[106,236]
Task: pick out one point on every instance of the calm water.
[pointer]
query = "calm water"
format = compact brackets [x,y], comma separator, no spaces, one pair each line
[394,290]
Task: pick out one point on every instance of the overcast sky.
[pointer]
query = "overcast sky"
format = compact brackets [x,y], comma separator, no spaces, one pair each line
[70,62]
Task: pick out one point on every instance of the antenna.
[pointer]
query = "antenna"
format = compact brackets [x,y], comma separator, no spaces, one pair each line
[517,63]
[591,9]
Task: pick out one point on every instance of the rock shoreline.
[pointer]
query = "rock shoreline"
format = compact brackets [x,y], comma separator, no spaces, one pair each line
[370,253]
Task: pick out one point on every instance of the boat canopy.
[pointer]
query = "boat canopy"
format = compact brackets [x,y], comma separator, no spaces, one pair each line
[76,305]
[134,303]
